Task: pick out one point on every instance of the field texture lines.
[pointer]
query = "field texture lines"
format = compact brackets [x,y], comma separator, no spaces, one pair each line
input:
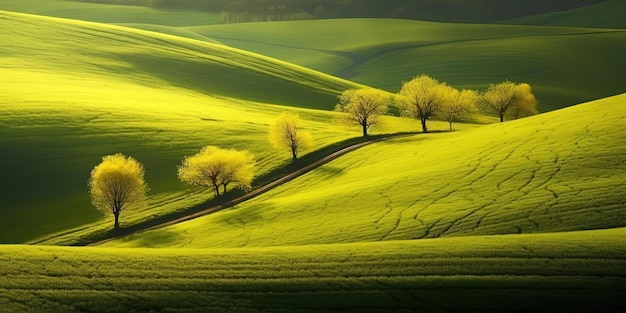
[539,174]
[548,272]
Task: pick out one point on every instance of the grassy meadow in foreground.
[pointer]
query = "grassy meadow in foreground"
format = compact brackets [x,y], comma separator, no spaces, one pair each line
[563,272]
[76,91]
[558,171]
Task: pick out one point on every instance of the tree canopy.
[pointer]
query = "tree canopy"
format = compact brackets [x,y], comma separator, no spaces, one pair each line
[117,184]
[422,98]
[285,134]
[509,99]
[457,104]
[213,167]
[363,106]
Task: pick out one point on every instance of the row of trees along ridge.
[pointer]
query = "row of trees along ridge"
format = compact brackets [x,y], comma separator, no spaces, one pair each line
[425,98]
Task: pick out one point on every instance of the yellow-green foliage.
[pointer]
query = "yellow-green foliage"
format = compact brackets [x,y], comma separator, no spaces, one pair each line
[214,167]
[284,134]
[557,171]
[118,184]
[578,271]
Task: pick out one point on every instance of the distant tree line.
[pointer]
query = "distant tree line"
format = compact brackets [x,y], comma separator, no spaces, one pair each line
[236,11]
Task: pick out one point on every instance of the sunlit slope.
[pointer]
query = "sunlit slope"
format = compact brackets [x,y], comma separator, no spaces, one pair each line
[385,52]
[74,91]
[204,67]
[109,13]
[604,14]
[564,272]
[558,171]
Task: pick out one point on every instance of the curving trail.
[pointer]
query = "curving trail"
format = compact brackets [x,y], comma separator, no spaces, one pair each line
[261,190]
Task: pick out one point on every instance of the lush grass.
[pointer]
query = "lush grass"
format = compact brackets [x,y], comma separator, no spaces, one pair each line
[563,272]
[385,52]
[604,14]
[105,13]
[75,91]
[558,171]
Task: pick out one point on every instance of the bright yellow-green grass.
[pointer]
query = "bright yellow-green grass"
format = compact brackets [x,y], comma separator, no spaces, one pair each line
[563,272]
[386,52]
[107,13]
[73,92]
[560,171]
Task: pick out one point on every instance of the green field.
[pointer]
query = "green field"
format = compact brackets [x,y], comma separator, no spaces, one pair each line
[564,272]
[384,53]
[106,13]
[604,14]
[75,91]
[558,171]
[522,216]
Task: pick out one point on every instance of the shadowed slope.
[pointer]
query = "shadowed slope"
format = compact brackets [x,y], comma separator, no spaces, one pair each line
[558,171]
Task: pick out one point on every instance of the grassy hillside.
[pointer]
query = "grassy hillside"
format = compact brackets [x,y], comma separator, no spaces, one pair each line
[109,13]
[558,171]
[75,91]
[604,14]
[385,52]
[565,272]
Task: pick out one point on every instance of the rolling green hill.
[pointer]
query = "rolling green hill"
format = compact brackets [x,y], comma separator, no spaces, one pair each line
[109,13]
[559,171]
[385,52]
[604,14]
[564,272]
[73,92]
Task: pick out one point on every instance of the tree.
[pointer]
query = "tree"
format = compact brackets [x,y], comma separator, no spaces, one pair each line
[363,106]
[213,167]
[508,98]
[284,134]
[457,104]
[117,184]
[422,97]
[526,104]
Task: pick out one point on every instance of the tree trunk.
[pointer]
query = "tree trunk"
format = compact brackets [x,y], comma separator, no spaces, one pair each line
[294,154]
[217,190]
[424,125]
[117,220]
[364,125]
[224,190]
[501,117]
[450,125]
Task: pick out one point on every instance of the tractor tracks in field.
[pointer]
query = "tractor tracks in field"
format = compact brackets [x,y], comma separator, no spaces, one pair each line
[260,190]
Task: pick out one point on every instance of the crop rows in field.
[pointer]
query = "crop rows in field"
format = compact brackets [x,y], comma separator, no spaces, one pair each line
[553,271]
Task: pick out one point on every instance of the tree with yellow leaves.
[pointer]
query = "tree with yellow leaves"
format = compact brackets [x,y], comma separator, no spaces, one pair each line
[117,184]
[213,167]
[363,106]
[457,103]
[509,99]
[285,134]
[422,98]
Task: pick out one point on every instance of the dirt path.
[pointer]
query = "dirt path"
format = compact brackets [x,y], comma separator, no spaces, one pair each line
[258,191]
